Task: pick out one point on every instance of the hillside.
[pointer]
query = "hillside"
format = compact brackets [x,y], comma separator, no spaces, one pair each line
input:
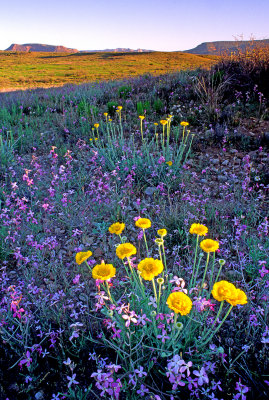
[220,47]
[21,70]
[40,47]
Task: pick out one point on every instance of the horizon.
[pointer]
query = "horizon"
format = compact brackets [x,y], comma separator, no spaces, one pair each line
[182,25]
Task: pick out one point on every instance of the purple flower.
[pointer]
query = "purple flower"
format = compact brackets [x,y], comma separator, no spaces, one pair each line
[202,376]
[142,390]
[72,380]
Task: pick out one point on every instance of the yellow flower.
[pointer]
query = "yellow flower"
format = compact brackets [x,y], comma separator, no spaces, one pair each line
[109,120]
[184,123]
[240,297]
[198,229]
[159,241]
[223,290]
[119,108]
[169,163]
[96,138]
[209,245]
[163,122]
[90,139]
[83,256]
[116,228]
[105,114]
[125,250]
[96,125]
[179,302]
[142,117]
[103,271]
[162,232]
[143,223]
[149,268]
[156,123]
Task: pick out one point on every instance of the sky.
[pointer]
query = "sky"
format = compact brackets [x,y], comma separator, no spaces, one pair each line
[165,25]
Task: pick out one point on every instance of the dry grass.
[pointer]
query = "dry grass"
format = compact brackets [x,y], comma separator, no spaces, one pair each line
[20,70]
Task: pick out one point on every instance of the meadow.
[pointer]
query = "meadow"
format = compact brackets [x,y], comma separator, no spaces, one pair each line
[134,238]
[20,70]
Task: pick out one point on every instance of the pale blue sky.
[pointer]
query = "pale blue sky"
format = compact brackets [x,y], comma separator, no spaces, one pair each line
[151,24]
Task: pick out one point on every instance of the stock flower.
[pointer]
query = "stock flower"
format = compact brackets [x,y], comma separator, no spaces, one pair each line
[224,290]
[83,256]
[198,229]
[149,268]
[116,228]
[162,232]
[125,250]
[163,122]
[143,223]
[179,302]
[184,123]
[239,297]
[103,272]
[209,245]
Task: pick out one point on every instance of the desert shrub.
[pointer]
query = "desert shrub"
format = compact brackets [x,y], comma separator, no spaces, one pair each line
[111,107]
[124,92]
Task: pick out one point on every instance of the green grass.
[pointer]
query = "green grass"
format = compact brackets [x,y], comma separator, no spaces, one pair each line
[20,70]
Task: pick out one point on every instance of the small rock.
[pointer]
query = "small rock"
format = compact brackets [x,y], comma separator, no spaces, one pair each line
[266,137]
[222,178]
[150,191]
[215,161]
[39,395]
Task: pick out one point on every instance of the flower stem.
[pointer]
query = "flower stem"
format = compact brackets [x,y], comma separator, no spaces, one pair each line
[146,243]
[155,293]
[164,258]
[216,330]
[108,292]
[86,262]
[207,260]
[195,257]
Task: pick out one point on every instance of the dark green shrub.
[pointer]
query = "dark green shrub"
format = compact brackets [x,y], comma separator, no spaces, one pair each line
[111,107]
[124,92]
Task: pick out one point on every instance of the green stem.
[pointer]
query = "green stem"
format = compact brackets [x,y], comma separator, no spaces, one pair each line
[212,274]
[164,258]
[207,260]
[218,274]
[194,264]
[86,262]
[155,293]
[108,292]
[146,243]
[216,330]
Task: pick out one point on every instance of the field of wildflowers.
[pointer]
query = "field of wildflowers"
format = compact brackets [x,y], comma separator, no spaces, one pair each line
[134,241]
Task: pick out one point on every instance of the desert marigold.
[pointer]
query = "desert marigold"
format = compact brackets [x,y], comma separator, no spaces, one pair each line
[184,123]
[105,114]
[240,297]
[125,250]
[223,290]
[142,117]
[143,223]
[179,302]
[149,268]
[162,232]
[103,271]
[156,123]
[116,228]
[83,256]
[163,122]
[209,245]
[198,229]
[119,108]
[169,163]
[96,125]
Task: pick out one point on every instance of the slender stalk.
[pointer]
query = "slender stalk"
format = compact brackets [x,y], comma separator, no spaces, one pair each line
[155,292]
[86,262]
[146,243]
[216,330]
[215,320]
[207,260]
[218,274]
[164,258]
[212,272]
[195,257]
[108,292]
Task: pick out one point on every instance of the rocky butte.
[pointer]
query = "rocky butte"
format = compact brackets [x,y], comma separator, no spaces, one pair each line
[40,47]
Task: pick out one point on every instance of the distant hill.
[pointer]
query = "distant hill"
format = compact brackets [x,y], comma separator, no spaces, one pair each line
[217,48]
[118,50]
[40,47]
